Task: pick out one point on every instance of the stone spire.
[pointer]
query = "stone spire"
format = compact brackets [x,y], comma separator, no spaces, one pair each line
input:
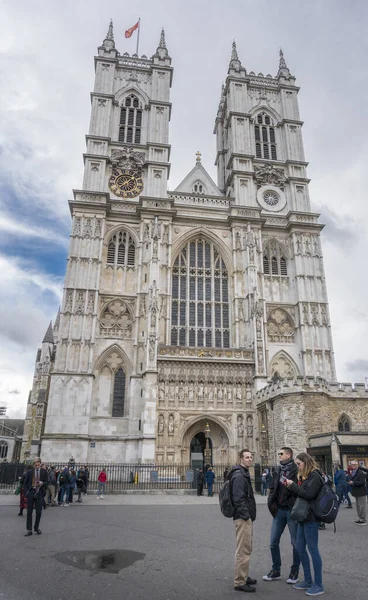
[110,33]
[49,336]
[283,68]
[235,64]
[109,43]
[162,43]
[161,51]
[57,321]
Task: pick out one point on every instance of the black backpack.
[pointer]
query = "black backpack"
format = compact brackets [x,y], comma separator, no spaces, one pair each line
[226,503]
[326,506]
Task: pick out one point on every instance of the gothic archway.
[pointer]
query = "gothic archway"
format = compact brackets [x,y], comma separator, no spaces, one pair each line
[193,438]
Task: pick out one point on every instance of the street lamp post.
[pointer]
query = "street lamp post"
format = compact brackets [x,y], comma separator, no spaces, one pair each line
[207,450]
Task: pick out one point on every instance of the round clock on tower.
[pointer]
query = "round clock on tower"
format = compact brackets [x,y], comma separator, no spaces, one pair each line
[125,183]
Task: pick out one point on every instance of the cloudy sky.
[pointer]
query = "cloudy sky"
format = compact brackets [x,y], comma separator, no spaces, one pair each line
[46,75]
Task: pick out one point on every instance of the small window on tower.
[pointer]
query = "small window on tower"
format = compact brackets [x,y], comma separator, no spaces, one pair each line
[266,135]
[130,120]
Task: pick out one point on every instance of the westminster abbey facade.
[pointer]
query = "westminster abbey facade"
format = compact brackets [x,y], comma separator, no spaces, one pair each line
[181,306]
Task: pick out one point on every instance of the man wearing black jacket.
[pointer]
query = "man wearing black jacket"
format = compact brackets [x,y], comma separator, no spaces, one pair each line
[357,484]
[34,480]
[244,515]
[280,503]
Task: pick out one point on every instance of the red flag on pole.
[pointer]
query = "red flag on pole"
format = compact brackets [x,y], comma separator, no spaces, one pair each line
[129,32]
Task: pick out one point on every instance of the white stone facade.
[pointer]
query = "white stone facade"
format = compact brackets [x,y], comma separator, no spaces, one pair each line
[178,306]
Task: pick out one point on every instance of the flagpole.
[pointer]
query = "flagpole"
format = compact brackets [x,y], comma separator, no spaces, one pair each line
[139,28]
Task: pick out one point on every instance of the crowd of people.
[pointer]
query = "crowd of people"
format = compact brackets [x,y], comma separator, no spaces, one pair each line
[292,488]
[41,487]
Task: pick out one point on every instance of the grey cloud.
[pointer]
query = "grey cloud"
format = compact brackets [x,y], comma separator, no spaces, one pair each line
[16,392]
[359,364]
[342,233]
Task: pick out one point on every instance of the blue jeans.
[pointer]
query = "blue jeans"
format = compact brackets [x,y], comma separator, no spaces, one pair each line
[210,489]
[64,493]
[101,488]
[278,525]
[307,535]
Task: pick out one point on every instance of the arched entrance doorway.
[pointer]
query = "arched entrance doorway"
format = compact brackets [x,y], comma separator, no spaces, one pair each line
[198,447]
[194,442]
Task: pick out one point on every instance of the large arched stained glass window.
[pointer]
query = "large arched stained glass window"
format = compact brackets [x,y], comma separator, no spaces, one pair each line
[118,399]
[200,297]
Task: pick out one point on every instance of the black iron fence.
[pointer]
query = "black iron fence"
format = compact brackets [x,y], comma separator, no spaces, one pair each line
[122,477]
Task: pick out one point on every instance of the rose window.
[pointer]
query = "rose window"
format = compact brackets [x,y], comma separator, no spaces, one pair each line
[271,198]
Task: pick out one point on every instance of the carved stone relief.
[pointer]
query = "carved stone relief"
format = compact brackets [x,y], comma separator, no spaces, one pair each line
[280,327]
[116,320]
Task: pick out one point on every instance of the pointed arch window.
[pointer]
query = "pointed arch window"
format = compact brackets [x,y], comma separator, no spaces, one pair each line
[274,261]
[121,250]
[200,297]
[3,449]
[264,134]
[130,127]
[344,423]
[198,188]
[118,399]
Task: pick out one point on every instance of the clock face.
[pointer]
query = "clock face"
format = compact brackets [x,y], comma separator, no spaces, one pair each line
[125,183]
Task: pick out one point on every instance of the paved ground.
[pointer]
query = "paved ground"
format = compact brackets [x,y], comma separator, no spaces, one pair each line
[174,548]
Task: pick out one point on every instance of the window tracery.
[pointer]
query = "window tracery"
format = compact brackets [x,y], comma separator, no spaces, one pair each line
[118,399]
[344,423]
[274,261]
[130,127]
[200,297]
[264,134]
[121,250]
[198,188]
[3,449]
[280,327]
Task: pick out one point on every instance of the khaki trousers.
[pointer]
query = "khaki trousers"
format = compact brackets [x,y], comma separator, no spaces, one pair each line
[361,507]
[244,534]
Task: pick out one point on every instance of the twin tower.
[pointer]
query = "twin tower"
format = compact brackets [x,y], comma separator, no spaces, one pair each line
[179,306]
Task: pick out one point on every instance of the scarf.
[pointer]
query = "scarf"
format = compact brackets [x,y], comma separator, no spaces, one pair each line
[286,468]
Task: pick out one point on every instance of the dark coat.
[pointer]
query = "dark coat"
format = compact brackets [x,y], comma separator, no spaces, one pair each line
[210,477]
[242,495]
[276,486]
[200,478]
[308,490]
[358,488]
[29,477]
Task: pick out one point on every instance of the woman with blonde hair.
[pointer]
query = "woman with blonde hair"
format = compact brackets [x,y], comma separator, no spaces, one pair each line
[308,487]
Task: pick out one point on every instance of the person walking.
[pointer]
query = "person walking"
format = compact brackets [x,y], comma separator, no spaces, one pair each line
[34,480]
[102,478]
[357,484]
[64,479]
[80,484]
[210,478]
[341,485]
[309,485]
[200,482]
[22,494]
[51,488]
[280,502]
[244,514]
[72,482]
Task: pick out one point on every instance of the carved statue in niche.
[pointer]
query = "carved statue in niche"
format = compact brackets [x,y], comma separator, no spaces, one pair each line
[210,395]
[146,232]
[219,395]
[238,244]
[161,424]
[249,426]
[171,424]
[152,345]
[165,235]
[240,425]
[260,359]
[161,395]
[172,392]
[181,394]
[153,304]
[200,393]
[191,393]
[238,394]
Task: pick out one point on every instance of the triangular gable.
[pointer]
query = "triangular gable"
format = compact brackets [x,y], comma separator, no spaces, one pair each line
[200,175]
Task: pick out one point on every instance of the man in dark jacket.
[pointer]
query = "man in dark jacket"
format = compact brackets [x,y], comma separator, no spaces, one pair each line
[34,480]
[200,482]
[280,503]
[244,515]
[357,483]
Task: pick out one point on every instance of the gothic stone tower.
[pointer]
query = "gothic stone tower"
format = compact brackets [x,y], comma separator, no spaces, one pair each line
[179,305]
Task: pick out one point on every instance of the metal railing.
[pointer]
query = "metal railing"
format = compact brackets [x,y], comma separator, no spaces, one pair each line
[123,476]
